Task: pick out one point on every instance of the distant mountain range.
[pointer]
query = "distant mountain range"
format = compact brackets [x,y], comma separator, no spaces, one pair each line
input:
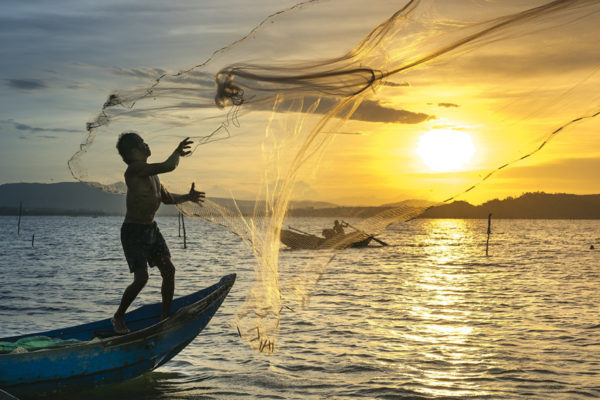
[537,205]
[75,198]
[71,198]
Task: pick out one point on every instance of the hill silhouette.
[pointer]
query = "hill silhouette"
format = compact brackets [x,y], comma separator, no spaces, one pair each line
[70,198]
[538,205]
[75,198]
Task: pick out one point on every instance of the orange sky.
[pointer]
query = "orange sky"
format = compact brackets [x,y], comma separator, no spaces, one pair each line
[507,93]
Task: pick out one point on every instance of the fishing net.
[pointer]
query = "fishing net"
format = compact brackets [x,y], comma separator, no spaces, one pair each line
[32,343]
[404,104]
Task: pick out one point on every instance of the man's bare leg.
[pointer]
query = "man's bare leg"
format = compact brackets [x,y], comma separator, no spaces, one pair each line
[167,271]
[140,277]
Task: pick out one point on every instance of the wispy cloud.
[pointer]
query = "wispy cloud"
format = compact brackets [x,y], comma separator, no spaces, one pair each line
[141,73]
[23,137]
[76,85]
[24,128]
[448,105]
[367,111]
[151,74]
[396,84]
[26,84]
[51,82]
[201,78]
[374,111]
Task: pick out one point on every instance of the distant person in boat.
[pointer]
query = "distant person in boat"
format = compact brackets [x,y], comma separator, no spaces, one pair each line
[338,227]
[143,244]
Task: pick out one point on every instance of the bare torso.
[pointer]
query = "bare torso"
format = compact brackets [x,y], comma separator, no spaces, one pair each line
[143,197]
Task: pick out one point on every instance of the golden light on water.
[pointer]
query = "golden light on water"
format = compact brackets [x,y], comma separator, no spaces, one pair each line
[443,316]
[445,150]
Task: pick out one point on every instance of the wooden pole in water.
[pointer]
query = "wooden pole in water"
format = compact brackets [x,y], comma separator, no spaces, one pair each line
[19,222]
[179,224]
[489,231]
[32,239]
[184,235]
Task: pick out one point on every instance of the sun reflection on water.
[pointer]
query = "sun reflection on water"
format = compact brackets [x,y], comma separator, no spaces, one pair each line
[442,315]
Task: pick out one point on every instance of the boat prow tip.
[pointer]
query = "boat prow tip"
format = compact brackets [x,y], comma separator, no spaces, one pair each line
[229,279]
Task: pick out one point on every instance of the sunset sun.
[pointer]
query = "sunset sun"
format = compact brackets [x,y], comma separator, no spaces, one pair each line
[445,150]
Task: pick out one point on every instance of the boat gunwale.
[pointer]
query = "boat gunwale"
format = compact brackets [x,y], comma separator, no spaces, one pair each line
[175,321]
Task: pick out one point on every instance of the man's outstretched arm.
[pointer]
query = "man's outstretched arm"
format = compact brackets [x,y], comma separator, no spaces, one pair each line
[172,198]
[143,169]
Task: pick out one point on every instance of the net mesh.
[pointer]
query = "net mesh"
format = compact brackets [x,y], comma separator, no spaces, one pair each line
[265,111]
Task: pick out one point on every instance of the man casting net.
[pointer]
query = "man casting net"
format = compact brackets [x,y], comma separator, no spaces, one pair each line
[406,104]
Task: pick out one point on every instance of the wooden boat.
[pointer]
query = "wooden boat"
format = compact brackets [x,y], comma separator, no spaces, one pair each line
[297,240]
[102,357]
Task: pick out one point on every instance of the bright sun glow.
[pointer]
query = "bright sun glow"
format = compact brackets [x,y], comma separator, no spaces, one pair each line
[445,150]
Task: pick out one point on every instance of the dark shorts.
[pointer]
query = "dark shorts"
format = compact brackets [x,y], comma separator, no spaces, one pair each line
[143,245]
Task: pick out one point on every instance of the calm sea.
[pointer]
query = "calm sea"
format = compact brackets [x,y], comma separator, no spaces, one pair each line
[428,317]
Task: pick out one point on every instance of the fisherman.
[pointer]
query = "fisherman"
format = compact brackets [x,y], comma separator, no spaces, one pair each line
[143,244]
[338,227]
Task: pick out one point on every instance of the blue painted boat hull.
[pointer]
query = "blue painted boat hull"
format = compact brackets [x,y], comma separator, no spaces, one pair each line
[102,358]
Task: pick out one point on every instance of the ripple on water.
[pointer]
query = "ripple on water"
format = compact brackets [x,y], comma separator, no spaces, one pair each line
[429,317]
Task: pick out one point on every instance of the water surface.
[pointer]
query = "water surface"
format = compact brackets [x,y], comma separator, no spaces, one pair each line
[428,317]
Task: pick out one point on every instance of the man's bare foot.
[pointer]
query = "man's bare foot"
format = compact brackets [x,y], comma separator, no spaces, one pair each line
[119,325]
[163,317]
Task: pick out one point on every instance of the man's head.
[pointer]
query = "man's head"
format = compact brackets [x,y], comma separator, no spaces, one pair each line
[132,147]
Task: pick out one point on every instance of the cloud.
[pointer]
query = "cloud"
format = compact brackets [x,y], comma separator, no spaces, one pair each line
[21,127]
[42,84]
[395,84]
[448,105]
[26,84]
[76,85]
[373,111]
[191,77]
[141,73]
[200,78]
[367,111]
[22,137]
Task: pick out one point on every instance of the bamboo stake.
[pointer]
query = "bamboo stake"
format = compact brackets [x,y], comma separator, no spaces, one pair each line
[489,231]
[184,235]
[19,222]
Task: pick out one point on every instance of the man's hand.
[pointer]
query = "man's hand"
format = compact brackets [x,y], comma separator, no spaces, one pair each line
[196,197]
[183,147]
